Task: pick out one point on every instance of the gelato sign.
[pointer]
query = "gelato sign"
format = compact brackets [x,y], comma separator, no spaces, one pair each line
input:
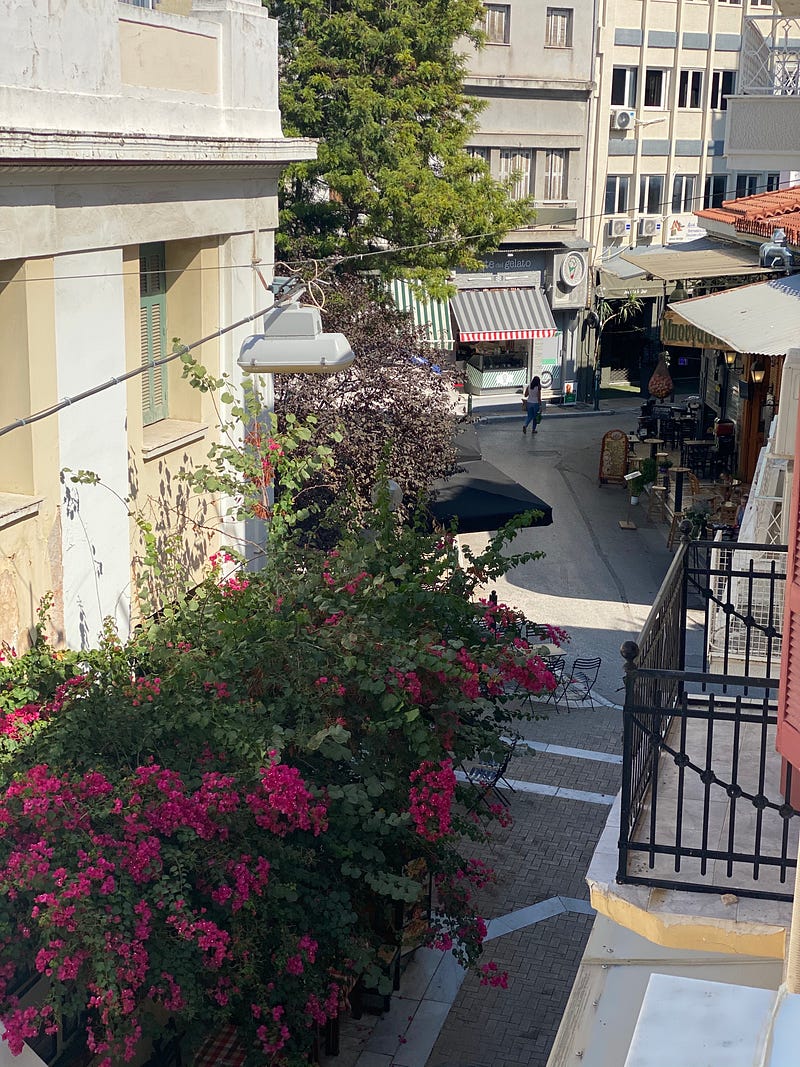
[679,333]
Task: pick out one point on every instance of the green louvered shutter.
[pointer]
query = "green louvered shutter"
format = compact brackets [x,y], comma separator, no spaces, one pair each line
[153,331]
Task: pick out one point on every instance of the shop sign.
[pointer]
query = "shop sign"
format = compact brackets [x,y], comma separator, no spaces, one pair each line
[683,228]
[677,332]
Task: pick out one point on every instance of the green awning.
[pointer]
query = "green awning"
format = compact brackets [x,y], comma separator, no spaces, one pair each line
[432,317]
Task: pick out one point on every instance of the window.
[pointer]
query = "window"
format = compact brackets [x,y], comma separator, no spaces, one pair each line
[722,84]
[651,194]
[714,191]
[733,3]
[748,185]
[515,166]
[623,86]
[558,30]
[555,174]
[760,3]
[655,88]
[617,194]
[690,88]
[773,182]
[497,23]
[153,330]
[683,193]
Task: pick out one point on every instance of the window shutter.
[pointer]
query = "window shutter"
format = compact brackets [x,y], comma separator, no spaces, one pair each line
[153,332]
[788,739]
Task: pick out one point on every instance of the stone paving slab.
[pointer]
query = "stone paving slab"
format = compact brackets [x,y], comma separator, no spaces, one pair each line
[516,1027]
[565,771]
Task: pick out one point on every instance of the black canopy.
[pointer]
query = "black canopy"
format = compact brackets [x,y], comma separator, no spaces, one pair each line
[482,498]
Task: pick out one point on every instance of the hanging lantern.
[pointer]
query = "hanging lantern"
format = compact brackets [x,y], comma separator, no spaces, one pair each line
[660,385]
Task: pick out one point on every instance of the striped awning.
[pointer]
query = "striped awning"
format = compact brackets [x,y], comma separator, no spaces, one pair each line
[431,317]
[501,314]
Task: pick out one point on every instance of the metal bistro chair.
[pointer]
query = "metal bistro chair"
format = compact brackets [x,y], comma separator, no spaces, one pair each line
[581,681]
[485,774]
[555,664]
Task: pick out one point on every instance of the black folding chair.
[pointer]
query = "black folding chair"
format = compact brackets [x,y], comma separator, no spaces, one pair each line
[582,677]
[555,664]
[486,772]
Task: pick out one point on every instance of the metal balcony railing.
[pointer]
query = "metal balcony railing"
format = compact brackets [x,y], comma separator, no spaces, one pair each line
[770,63]
[703,802]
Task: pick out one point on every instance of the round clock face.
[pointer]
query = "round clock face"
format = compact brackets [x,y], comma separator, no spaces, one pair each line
[573,269]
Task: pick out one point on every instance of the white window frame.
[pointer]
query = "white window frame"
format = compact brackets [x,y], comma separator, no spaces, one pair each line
[662,103]
[629,87]
[497,23]
[752,182]
[684,191]
[621,194]
[711,189]
[651,186]
[558,27]
[719,97]
[690,85]
[556,162]
[519,162]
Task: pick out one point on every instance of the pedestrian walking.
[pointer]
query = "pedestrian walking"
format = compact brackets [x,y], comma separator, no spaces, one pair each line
[533,401]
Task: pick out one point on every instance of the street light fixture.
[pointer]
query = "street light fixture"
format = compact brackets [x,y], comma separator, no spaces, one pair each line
[293,342]
[730,358]
[758,371]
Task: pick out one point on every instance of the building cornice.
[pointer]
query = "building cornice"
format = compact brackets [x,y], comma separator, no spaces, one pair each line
[37,147]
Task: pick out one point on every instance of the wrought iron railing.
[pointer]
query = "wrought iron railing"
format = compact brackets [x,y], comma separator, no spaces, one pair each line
[702,803]
[770,54]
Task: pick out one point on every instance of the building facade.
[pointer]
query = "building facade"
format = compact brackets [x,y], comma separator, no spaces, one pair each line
[139,161]
[534,75]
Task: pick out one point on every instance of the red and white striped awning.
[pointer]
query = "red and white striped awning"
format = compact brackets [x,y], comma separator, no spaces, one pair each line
[501,314]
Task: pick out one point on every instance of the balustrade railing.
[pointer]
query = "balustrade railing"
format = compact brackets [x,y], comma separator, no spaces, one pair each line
[703,790]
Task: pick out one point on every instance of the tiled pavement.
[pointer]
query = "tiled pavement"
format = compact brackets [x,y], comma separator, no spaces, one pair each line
[445,1019]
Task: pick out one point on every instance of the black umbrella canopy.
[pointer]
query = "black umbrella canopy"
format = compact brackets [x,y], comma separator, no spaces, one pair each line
[481,498]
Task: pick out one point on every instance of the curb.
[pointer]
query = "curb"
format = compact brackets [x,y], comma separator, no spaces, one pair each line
[497,416]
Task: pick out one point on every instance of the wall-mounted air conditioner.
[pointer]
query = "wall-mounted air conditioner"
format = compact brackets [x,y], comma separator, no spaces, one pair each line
[623,120]
[618,227]
[650,226]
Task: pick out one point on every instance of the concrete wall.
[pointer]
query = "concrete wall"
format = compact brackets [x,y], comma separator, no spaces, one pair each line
[763,134]
[104,66]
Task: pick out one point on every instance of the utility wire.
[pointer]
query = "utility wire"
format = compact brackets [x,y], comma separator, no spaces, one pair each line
[176,354]
[336,260]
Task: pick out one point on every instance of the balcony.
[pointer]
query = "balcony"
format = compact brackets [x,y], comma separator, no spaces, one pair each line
[702,809]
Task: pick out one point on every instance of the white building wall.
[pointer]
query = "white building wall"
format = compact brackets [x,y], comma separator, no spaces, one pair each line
[90,349]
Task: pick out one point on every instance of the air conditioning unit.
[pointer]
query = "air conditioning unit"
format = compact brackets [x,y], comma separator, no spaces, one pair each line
[649,227]
[618,227]
[623,120]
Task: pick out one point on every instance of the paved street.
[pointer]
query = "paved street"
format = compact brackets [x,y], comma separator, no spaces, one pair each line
[598,582]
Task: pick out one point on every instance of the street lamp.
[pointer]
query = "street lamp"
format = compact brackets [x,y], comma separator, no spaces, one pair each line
[293,342]
[758,371]
[730,358]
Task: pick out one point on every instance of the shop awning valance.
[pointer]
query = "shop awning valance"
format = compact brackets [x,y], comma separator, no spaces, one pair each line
[431,317]
[761,319]
[501,314]
[481,498]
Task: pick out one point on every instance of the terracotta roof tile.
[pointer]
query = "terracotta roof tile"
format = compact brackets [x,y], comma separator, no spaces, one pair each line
[761,214]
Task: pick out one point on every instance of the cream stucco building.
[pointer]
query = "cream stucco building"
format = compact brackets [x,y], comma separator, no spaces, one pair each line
[140,152]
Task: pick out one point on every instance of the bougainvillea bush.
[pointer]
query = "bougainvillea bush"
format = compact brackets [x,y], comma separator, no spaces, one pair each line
[218,820]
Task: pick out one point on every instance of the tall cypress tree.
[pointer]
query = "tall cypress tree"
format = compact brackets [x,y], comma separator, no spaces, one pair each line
[380,82]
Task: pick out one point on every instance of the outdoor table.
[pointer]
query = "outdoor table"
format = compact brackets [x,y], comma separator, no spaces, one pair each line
[654,442]
[694,454]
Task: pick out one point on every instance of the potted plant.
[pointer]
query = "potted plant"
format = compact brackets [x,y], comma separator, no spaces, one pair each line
[648,469]
[664,465]
[635,487]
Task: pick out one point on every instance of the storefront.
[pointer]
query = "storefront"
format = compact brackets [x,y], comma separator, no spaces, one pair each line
[519,317]
[744,335]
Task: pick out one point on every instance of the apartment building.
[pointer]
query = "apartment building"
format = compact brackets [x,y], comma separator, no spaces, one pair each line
[665,70]
[139,159]
[535,76]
